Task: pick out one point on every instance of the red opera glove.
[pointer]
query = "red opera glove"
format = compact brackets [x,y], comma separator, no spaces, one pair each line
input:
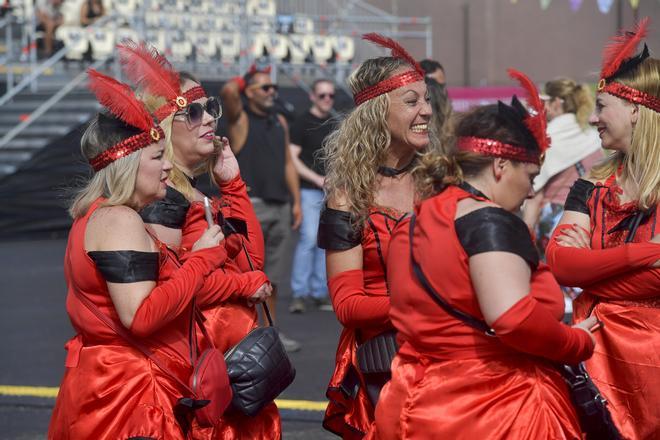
[353,307]
[240,206]
[169,299]
[582,267]
[633,285]
[529,327]
[221,286]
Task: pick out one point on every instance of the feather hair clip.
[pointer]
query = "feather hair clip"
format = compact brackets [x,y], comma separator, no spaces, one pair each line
[536,121]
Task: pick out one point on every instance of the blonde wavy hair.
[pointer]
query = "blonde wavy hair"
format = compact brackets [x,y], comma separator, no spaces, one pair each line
[640,164]
[115,182]
[577,98]
[353,152]
[177,177]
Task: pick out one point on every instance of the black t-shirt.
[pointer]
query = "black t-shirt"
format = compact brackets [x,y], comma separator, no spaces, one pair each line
[308,132]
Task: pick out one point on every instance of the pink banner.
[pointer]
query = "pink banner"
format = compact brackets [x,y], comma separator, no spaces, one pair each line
[463,98]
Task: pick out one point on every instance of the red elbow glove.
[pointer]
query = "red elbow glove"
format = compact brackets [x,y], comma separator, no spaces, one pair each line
[235,193]
[223,285]
[170,299]
[529,327]
[353,307]
[582,267]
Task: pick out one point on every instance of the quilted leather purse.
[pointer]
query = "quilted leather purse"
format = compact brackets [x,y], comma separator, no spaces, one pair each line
[376,354]
[259,368]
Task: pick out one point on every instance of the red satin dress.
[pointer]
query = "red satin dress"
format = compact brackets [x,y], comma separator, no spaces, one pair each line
[230,321]
[352,416]
[110,390]
[625,365]
[448,380]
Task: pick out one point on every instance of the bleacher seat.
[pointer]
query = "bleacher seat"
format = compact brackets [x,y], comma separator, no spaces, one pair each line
[187,22]
[71,12]
[205,46]
[126,33]
[102,42]
[260,45]
[262,24]
[284,24]
[344,48]
[74,38]
[278,46]
[303,24]
[299,48]
[227,8]
[157,39]
[23,9]
[198,6]
[261,7]
[181,50]
[125,7]
[229,45]
[321,48]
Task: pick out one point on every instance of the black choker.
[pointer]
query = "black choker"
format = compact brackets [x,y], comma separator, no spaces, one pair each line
[393,172]
[472,190]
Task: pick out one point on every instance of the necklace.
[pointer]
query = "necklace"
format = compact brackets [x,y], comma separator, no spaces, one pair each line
[393,172]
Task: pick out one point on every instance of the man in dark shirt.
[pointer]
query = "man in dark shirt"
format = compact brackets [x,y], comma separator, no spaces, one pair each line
[259,138]
[307,134]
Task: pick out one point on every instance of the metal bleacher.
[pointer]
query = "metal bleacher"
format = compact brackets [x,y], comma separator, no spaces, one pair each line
[215,39]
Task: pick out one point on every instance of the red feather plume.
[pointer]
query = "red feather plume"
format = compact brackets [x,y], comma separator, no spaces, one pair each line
[537,122]
[148,69]
[120,100]
[622,47]
[397,50]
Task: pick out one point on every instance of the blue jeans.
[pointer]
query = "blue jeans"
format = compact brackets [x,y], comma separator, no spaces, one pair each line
[308,272]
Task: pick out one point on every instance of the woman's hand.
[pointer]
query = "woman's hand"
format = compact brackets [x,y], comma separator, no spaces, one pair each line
[586,326]
[210,238]
[575,236]
[226,166]
[262,293]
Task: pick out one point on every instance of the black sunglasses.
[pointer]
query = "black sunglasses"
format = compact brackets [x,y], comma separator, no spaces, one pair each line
[268,87]
[194,113]
[326,95]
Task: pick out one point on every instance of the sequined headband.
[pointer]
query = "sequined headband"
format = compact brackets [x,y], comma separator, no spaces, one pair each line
[126,147]
[387,85]
[491,147]
[180,102]
[630,94]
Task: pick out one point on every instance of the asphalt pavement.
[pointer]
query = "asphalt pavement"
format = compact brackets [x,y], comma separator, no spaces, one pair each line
[34,327]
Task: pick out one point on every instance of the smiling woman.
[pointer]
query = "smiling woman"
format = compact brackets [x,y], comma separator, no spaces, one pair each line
[372,183]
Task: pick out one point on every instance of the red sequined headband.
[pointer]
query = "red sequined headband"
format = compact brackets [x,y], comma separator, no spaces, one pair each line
[126,147]
[630,94]
[180,102]
[387,86]
[491,147]
[396,81]
[120,100]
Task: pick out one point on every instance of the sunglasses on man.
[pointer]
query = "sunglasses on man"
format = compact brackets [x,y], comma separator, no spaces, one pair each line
[264,87]
[326,95]
[194,113]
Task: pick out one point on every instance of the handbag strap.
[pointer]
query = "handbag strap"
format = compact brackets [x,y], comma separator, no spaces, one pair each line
[435,296]
[249,260]
[121,331]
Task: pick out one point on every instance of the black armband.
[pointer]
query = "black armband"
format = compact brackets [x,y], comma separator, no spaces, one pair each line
[337,230]
[496,230]
[169,212]
[578,197]
[126,266]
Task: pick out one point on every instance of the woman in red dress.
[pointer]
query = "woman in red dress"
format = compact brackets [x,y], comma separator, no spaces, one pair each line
[189,117]
[450,381]
[113,266]
[371,186]
[615,204]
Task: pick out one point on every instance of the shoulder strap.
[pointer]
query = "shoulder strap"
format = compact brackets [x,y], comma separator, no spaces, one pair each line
[461,316]
[128,337]
[263,303]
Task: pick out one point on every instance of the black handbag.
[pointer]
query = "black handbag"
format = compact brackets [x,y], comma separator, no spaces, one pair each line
[258,366]
[590,406]
[376,354]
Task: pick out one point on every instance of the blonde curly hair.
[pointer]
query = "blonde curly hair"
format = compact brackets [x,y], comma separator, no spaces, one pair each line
[354,151]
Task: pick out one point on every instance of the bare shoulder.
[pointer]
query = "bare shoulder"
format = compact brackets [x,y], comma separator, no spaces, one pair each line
[283,121]
[468,205]
[117,228]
